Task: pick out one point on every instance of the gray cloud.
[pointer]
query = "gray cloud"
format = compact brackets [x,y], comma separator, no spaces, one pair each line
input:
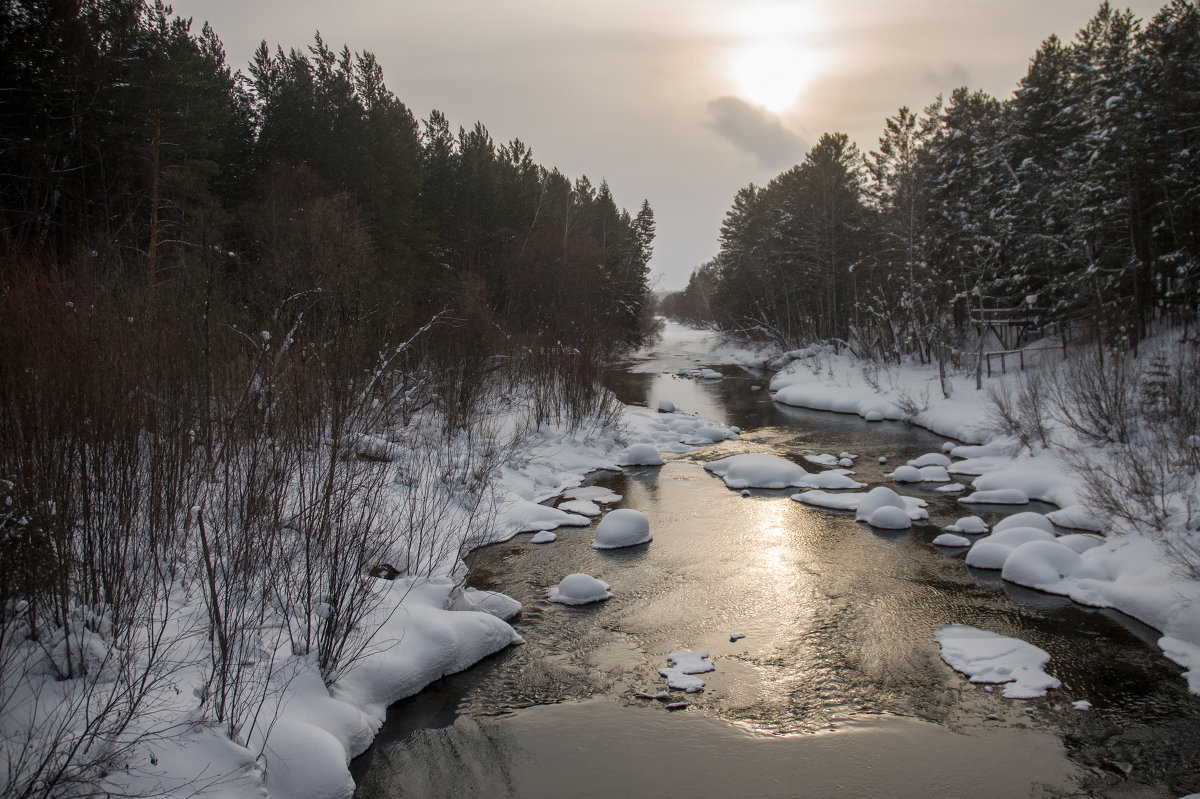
[755,130]
[947,77]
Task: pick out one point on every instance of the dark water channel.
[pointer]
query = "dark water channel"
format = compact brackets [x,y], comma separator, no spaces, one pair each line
[837,688]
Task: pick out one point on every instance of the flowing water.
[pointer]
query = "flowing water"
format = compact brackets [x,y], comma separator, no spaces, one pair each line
[836,688]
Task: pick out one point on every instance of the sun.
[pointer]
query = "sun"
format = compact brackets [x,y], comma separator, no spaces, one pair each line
[772,73]
[777,56]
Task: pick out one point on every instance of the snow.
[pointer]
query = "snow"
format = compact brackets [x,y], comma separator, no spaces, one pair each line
[930,459]
[952,488]
[754,470]
[831,480]
[872,500]
[499,605]
[883,497]
[581,507]
[988,657]
[1025,519]
[1075,517]
[996,496]
[968,524]
[951,540]
[889,518]
[544,537]
[824,459]
[1040,564]
[991,551]
[640,455]
[680,681]
[524,516]
[598,494]
[579,589]
[624,527]
[920,474]
[695,662]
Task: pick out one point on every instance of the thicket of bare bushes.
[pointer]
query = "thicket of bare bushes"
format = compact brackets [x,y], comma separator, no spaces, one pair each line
[1135,425]
[169,450]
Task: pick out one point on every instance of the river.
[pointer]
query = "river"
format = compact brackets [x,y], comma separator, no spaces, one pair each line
[837,687]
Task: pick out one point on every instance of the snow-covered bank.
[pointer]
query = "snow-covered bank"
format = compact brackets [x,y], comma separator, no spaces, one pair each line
[434,627]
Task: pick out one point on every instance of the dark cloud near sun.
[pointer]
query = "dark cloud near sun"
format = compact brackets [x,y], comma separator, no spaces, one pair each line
[755,130]
[947,77]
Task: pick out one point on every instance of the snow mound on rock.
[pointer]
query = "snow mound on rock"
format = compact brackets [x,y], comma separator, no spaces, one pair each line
[579,589]
[643,455]
[930,459]
[890,518]
[1040,564]
[1025,519]
[992,551]
[951,540]
[757,471]
[881,497]
[968,524]
[624,527]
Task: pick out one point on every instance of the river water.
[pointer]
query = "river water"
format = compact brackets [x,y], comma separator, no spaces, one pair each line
[836,688]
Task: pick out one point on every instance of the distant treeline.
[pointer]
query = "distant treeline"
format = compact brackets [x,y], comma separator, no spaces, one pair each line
[134,158]
[1076,198]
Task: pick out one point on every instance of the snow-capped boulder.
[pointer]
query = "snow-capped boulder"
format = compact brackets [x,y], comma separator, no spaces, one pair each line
[907,474]
[968,524]
[889,518]
[643,455]
[1040,564]
[876,498]
[951,540]
[991,552]
[930,459]
[757,471]
[624,527]
[1025,519]
[579,589]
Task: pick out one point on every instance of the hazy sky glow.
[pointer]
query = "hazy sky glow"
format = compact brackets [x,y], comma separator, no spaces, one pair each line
[682,102]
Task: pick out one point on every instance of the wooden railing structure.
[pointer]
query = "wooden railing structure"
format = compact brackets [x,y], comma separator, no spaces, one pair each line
[1010,326]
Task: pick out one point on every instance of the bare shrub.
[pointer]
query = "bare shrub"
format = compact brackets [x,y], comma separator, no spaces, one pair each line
[912,403]
[1023,410]
[1150,481]
[1097,397]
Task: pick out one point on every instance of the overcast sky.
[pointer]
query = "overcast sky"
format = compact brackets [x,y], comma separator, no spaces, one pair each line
[681,102]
